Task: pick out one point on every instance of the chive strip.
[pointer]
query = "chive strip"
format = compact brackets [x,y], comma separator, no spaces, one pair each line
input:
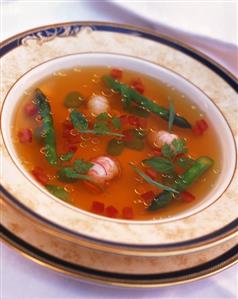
[152,182]
[101,133]
[171,115]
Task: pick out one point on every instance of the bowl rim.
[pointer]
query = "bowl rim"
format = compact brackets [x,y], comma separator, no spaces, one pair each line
[182,215]
[11,43]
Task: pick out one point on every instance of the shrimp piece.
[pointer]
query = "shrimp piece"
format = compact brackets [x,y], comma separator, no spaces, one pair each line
[98,104]
[158,138]
[104,170]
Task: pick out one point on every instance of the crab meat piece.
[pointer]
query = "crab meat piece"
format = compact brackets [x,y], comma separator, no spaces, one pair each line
[98,104]
[104,169]
[158,138]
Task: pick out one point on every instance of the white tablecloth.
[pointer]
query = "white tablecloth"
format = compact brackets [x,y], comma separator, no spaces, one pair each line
[23,279]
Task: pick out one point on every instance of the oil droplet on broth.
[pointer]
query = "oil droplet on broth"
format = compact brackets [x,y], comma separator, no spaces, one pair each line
[95,80]
[59,74]
[38,118]
[140,189]
[85,137]
[69,188]
[77,70]
[107,93]
[43,150]
[74,132]
[83,145]
[95,141]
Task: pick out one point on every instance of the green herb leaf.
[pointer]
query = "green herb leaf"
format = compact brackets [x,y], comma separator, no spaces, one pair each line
[135,144]
[152,182]
[115,147]
[102,116]
[58,191]
[70,175]
[171,115]
[160,201]
[73,100]
[78,120]
[66,157]
[96,132]
[116,122]
[185,162]
[167,151]
[81,166]
[179,146]
[160,164]
[101,128]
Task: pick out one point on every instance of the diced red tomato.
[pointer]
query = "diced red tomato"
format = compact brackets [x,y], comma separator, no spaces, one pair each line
[97,207]
[200,127]
[124,120]
[25,136]
[202,124]
[30,109]
[71,148]
[142,123]
[73,139]
[40,175]
[127,213]
[148,196]
[138,85]
[111,212]
[67,124]
[187,196]
[197,131]
[116,73]
[128,135]
[133,120]
[151,173]
[157,152]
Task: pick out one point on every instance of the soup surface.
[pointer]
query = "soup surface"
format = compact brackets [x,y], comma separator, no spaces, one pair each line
[98,139]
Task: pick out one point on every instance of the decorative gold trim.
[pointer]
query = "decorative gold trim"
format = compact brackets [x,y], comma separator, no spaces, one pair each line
[113,281]
[123,250]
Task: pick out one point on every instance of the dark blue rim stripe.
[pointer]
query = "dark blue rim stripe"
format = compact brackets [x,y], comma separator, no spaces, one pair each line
[229,227]
[127,278]
[120,29]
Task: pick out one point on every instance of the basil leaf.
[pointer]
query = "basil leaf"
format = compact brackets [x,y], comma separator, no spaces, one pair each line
[136,144]
[179,146]
[69,175]
[116,122]
[185,162]
[102,116]
[152,182]
[115,147]
[78,120]
[101,128]
[160,164]
[81,166]
[58,191]
[167,151]
[171,115]
[73,100]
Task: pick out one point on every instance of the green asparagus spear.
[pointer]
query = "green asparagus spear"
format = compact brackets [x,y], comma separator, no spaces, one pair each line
[140,100]
[48,127]
[200,166]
